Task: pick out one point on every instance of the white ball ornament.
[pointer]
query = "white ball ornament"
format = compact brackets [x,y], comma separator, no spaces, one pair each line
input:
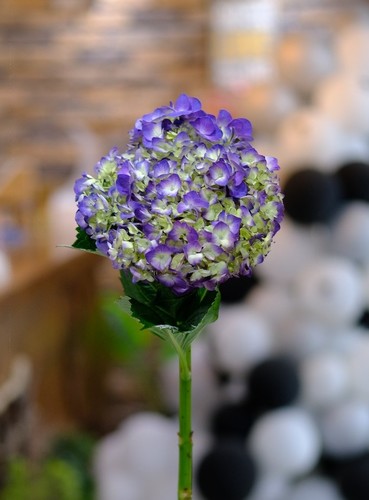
[269,487]
[308,137]
[266,103]
[358,366]
[294,248]
[239,339]
[344,98]
[314,488]
[351,48]
[350,233]
[272,301]
[300,335]
[366,285]
[285,442]
[331,290]
[117,485]
[303,61]
[325,379]
[110,454]
[150,441]
[345,429]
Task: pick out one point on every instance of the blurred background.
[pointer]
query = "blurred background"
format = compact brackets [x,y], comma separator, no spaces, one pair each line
[280,380]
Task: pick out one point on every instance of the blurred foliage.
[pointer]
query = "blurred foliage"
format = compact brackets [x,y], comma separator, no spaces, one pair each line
[65,474]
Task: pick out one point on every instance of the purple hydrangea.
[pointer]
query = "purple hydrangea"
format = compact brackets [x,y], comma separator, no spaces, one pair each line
[189,203]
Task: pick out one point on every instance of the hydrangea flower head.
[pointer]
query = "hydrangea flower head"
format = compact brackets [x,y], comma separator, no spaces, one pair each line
[189,203]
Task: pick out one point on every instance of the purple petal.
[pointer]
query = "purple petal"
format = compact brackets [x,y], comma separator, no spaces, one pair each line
[160,257]
[192,201]
[81,184]
[183,232]
[193,253]
[185,104]
[224,118]
[80,220]
[242,128]
[272,163]
[233,222]
[161,207]
[169,186]
[238,191]
[173,281]
[157,113]
[219,173]
[151,130]
[142,213]
[207,127]
[123,184]
[141,169]
[223,236]
[161,168]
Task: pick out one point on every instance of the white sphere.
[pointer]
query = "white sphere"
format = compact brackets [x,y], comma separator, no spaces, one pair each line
[269,487]
[345,428]
[118,485]
[314,488]
[358,366]
[110,454]
[366,285]
[164,488]
[344,98]
[294,247]
[331,290]
[351,47]
[325,379]
[285,442]
[150,441]
[303,61]
[266,103]
[239,339]
[308,137]
[300,335]
[350,234]
[273,302]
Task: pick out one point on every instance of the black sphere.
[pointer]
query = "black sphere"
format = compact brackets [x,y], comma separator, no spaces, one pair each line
[226,472]
[364,319]
[233,421]
[354,178]
[354,480]
[236,289]
[312,196]
[274,383]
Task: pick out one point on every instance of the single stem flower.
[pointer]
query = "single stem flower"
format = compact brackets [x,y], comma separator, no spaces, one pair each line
[188,205]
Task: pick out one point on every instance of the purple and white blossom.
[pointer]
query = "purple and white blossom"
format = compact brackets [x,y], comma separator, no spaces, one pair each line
[189,203]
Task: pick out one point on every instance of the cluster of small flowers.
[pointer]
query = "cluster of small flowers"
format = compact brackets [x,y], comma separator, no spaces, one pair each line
[189,203]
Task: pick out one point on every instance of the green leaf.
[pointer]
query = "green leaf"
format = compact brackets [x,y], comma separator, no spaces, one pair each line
[166,314]
[83,241]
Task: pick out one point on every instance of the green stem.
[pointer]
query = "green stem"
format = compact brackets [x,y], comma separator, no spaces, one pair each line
[185,430]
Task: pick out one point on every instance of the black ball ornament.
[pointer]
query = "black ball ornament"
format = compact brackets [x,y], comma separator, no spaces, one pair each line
[354,178]
[235,290]
[274,383]
[312,196]
[233,421]
[354,480]
[364,319]
[226,472]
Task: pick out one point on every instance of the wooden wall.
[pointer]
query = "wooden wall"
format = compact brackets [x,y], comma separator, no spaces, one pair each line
[92,64]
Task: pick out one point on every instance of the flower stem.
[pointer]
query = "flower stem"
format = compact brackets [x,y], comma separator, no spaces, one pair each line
[185,430]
